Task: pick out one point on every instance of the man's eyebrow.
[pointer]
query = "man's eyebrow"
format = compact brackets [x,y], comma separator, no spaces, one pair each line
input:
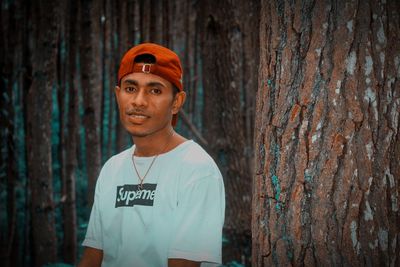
[149,84]
[131,82]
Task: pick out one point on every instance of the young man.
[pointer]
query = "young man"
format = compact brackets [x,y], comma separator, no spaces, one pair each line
[161,202]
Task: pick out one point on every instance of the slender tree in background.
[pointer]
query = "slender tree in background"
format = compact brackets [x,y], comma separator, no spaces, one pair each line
[90,56]
[39,107]
[124,43]
[327,181]
[108,79]
[10,62]
[224,45]
[69,134]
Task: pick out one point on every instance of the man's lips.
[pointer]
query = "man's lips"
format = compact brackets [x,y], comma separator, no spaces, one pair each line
[137,117]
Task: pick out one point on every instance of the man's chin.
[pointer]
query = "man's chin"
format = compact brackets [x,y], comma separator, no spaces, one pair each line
[138,133]
[142,130]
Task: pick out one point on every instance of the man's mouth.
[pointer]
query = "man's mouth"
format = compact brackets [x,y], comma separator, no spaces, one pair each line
[137,117]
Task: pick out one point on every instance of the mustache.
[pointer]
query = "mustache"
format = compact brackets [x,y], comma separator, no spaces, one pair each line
[136,111]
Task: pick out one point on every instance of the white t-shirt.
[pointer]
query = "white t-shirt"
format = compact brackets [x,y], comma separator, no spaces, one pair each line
[178,214]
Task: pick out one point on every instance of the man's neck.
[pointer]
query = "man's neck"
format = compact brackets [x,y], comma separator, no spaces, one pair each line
[154,144]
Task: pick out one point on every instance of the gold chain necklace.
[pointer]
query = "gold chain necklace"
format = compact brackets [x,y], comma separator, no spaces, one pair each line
[140,186]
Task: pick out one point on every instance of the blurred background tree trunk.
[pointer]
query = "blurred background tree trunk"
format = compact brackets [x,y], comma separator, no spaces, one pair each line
[44,37]
[326,184]
[229,55]
[90,54]
[68,92]
[11,39]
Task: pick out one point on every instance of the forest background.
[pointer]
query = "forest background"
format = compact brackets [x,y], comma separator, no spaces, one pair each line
[59,120]
[297,101]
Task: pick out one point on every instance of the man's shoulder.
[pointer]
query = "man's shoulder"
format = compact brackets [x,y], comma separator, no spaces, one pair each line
[196,163]
[118,159]
[194,154]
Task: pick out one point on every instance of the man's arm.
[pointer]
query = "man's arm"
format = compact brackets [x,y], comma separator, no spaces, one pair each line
[182,263]
[92,257]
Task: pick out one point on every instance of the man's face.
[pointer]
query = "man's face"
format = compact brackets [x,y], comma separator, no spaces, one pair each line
[146,103]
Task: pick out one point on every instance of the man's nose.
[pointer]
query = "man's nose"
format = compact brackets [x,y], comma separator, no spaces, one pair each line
[139,99]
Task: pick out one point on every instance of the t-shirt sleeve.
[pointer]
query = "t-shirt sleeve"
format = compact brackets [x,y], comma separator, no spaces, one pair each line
[93,236]
[199,220]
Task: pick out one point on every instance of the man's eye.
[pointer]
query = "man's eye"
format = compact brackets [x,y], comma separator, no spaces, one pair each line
[155,91]
[130,89]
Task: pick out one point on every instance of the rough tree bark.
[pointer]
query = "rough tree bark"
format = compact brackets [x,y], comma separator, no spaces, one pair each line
[39,108]
[327,181]
[91,84]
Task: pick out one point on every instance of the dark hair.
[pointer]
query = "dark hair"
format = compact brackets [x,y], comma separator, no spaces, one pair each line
[145,58]
[175,90]
[150,59]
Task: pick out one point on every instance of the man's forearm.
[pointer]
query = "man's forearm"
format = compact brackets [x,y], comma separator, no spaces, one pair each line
[92,257]
[182,263]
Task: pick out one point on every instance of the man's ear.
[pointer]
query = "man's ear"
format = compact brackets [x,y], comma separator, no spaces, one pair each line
[179,100]
[116,91]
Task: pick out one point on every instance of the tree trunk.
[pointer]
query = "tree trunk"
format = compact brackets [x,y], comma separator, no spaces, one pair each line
[9,62]
[165,23]
[144,7]
[123,138]
[90,55]
[39,108]
[327,181]
[69,140]
[250,57]
[26,81]
[222,50]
